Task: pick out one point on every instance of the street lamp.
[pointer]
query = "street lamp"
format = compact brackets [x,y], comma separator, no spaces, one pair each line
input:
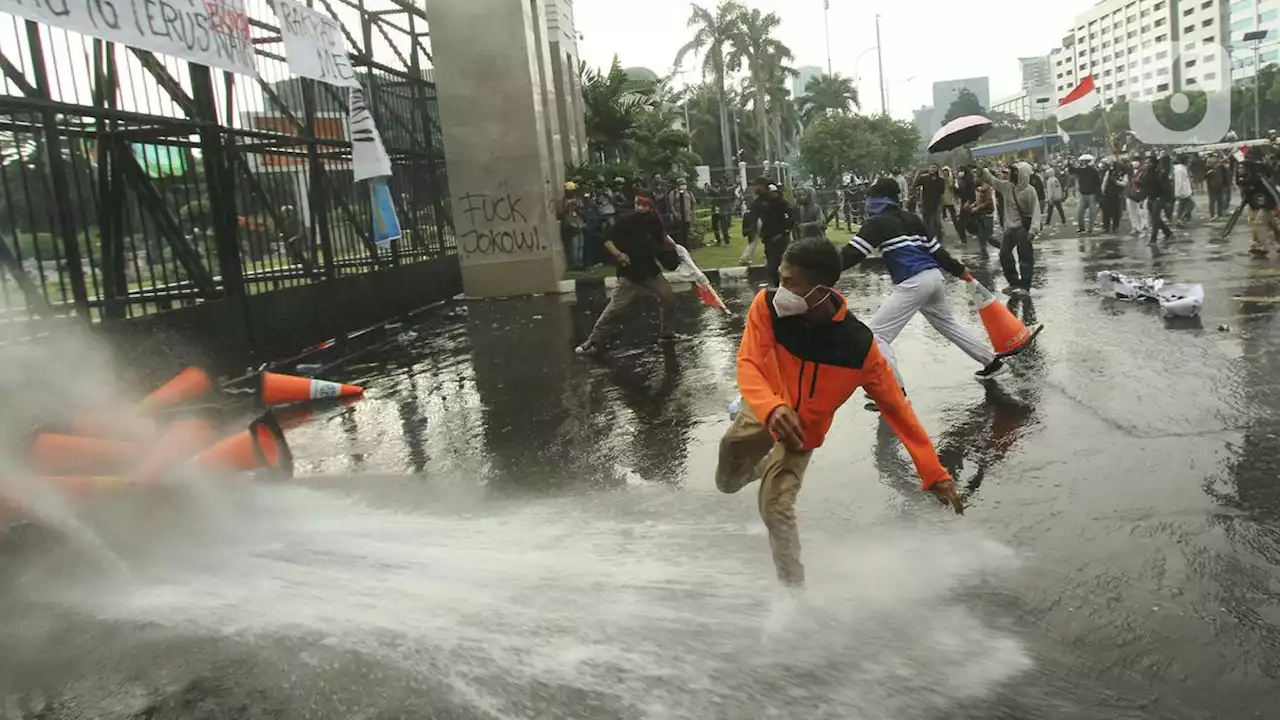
[1044,115]
[826,24]
[899,83]
[1256,37]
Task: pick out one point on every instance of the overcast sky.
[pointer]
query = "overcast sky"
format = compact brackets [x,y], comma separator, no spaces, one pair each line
[929,40]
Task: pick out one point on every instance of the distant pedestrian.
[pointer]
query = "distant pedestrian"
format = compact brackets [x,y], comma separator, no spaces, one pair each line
[1155,187]
[1218,184]
[1257,189]
[722,202]
[809,220]
[1134,196]
[683,212]
[949,199]
[635,242]
[1184,204]
[571,214]
[1022,220]
[1113,185]
[776,217]
[931,186]
[1054,196]
[1089,183]
[983,210]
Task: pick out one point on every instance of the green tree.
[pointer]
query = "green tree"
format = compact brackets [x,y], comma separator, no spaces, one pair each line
[713,34]
[827,94]
[966,103]
[765,58]
[865,145]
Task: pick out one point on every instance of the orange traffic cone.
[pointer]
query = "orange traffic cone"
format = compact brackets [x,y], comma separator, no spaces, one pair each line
[262,445]
[187,385]
[181,441]
[1008,335]
[276,389]
[125,426]
[53,454]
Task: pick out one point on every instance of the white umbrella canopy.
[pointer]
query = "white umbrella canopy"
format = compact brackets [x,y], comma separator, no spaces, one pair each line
[961,131]
[1086,158]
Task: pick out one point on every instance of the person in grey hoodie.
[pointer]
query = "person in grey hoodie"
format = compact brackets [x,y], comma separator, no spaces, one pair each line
[1053,197]
[810,222]
[1021,221]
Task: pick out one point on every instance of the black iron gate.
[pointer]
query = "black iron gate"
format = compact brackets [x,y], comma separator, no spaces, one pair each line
[134,185]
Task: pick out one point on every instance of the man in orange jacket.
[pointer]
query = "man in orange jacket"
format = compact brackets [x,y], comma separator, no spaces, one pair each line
[802,356]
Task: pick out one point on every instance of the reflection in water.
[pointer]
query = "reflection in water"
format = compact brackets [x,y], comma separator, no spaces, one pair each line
[982,434]
[661,418]
[1250,488]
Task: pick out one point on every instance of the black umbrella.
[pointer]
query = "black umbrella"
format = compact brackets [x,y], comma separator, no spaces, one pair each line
[961,131]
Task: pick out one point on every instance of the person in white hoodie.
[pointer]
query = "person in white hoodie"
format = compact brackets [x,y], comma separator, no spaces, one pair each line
[1053,197]
[1183,204]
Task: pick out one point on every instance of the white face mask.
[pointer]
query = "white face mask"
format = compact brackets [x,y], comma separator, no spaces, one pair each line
[789,304]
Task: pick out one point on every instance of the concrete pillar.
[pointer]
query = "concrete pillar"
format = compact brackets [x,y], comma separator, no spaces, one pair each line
[563,41]
[501,142]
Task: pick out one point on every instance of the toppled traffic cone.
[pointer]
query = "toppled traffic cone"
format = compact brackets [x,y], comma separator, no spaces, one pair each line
[111,426]
[275,389]
[1008,335]
[187,385]
[181,441]
[54,454]
[262,445]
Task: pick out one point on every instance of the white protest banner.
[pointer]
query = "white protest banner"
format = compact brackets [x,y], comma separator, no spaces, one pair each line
[368,156]
[209,32]
[314,44]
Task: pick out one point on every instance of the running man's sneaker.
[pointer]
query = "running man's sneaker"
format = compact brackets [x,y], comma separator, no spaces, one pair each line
[992,371]
[588,348]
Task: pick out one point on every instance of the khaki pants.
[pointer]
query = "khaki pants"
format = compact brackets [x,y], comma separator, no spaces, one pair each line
[625,293]
[1264,224]
[748,452]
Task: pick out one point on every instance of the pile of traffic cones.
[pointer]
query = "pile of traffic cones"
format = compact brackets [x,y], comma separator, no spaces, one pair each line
[161,435]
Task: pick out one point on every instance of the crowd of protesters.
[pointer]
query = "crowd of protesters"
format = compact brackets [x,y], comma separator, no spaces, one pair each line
[589,209]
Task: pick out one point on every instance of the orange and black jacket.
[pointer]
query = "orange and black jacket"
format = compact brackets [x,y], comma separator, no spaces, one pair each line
[815,367]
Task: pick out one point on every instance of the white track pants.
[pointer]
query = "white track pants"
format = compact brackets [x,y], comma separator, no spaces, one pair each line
[924,292]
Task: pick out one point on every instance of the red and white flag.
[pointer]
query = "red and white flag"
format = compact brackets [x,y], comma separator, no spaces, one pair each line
[701,285]
[1079,101]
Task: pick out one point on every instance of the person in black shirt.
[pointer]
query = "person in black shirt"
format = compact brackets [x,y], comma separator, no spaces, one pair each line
[1089,183]
[931,187]
[1155,186]
[635,242]
[776,218]
[1259,192]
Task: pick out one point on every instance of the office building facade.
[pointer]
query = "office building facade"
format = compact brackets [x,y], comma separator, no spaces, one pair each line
[1145,49]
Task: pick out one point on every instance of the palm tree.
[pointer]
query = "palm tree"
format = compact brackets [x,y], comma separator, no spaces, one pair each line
[827,93]
[713,33]
[612,108]
[764,55]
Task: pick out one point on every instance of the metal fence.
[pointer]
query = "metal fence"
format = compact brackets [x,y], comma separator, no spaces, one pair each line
[132,183]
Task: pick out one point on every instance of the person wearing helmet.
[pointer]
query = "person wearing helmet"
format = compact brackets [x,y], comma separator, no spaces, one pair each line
[572,221]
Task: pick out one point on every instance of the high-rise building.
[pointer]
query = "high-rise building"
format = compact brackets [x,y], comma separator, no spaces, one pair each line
[946,91]
[1145,49]
[1247,16]
[1036,73]
[805,74]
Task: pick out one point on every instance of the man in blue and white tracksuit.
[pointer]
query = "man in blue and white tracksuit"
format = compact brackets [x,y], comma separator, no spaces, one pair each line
[915,262]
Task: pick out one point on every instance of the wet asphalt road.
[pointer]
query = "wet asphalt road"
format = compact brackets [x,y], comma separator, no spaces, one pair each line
[503,530]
